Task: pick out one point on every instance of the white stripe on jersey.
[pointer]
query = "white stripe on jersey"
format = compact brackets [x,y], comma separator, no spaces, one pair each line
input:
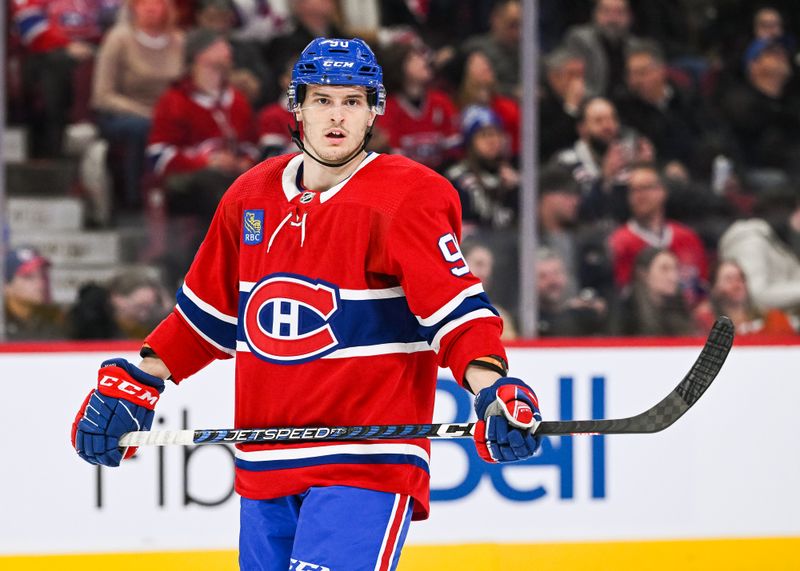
[386,293]
[164,154]
[448,307]
[210,341]
[477,314]
[352,294]
[34,32]
[363,350]
[319,451]
[382,349]
[207,307]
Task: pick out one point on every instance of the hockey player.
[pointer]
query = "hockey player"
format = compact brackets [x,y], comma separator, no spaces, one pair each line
[335,279]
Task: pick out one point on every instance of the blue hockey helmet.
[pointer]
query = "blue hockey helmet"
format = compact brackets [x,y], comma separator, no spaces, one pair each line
[329,61]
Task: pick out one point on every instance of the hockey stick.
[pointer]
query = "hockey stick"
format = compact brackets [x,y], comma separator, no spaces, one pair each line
[655,419]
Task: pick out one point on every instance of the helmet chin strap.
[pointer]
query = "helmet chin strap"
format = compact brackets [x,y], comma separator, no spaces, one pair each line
[295,134]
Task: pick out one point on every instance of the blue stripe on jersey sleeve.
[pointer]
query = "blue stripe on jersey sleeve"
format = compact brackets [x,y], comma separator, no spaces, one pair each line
[470,304]
[220,332]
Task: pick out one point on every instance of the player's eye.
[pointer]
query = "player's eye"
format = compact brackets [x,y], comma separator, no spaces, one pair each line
[352,102]
[322,100]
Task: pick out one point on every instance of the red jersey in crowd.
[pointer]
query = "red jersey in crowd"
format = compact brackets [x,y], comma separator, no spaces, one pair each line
[629,239]
[508,111]
[47,25]
[188,126]
[273,129]
[429,134]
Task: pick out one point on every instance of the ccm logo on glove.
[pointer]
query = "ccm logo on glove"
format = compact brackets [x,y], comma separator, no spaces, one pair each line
[112,386]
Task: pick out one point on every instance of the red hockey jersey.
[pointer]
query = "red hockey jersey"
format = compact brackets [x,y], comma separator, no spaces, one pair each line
[188,126]
[273,129]
[338,307]
[628,240]
[429,135]
[49,25]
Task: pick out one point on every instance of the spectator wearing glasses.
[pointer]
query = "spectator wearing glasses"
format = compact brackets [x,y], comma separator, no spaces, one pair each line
[649,226]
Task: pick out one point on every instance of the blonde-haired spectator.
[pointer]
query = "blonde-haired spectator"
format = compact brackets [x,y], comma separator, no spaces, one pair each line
[138,59]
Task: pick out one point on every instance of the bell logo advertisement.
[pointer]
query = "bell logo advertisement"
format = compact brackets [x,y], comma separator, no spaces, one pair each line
[557,453]
[721,471]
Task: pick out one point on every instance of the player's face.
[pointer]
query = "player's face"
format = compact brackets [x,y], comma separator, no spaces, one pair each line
[335,119]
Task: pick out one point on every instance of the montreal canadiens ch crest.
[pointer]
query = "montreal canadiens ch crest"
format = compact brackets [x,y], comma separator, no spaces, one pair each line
[287,319]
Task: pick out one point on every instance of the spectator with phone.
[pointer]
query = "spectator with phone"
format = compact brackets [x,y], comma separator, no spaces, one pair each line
[600,159]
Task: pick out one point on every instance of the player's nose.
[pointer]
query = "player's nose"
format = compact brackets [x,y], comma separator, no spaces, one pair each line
[337,113]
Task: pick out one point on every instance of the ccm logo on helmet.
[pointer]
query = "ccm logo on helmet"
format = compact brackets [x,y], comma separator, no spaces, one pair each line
[329,63]
[287,319]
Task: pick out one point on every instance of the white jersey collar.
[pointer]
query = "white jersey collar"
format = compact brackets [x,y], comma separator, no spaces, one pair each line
[289,178]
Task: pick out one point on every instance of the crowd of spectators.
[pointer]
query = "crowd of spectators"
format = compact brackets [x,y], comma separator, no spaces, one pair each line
[669,140]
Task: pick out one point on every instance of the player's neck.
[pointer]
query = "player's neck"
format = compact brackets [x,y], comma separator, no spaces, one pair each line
[321,178]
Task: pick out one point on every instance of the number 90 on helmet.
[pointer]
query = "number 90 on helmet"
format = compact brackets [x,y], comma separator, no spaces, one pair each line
[330,61]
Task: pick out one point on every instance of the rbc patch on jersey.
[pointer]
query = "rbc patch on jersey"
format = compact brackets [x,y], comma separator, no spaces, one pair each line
[253,227]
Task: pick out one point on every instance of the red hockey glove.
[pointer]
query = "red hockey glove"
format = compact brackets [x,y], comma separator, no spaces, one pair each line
[508,416]
[122,402]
